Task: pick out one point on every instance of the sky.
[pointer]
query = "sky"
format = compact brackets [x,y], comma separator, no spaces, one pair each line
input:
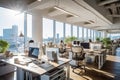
[8,18]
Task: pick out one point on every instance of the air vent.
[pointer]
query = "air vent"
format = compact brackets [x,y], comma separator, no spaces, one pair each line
[87,23]
[69,16]
[91,21]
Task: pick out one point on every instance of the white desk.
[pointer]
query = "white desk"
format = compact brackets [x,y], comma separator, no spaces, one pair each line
[33,68]
[101,54]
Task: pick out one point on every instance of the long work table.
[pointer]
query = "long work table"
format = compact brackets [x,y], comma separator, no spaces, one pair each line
[31,65]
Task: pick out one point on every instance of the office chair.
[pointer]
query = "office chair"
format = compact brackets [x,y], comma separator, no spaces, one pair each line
[78,57]
[61,51]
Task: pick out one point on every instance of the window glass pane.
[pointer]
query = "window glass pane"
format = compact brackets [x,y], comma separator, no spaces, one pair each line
[109,35]
[75,31]
[92,35]
[89,34]
[99,34]
[59,31]
[85,34]
[29,26]
[68,30]
[80,33]
[102,34]
[95,35]
[47,30]
[11,25]
[115,36]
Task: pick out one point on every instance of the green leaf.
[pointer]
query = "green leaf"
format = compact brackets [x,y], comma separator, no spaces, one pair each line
[3,46]
[70,39]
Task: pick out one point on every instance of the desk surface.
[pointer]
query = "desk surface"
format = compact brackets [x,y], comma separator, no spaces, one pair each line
[94,51]
[40,69]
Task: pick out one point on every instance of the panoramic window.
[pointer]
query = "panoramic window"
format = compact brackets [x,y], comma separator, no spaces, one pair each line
[80,33]
[85,34]
[68,30]
[59,31]
[47,30]
[75,31]
[11,26]
[89,33]
[92,33]
[95,35]
[115,36]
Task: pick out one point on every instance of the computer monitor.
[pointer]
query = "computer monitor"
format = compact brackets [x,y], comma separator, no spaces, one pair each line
[52,55]
[95,46]
[33,52]
[85,45]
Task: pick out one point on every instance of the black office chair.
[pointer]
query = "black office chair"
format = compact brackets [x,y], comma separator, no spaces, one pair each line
[78,57]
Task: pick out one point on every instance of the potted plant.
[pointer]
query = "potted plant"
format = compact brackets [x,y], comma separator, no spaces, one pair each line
[97,39]
[68,40]
[106,42]
[3,46]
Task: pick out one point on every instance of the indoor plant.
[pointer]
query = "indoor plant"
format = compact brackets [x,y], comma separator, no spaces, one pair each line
[3,46]
[97,39]
[106,42]
[68,40]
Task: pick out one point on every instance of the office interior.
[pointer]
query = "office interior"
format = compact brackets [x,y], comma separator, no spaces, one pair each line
[59,39]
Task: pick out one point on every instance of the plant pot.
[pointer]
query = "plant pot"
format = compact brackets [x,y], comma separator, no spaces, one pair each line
[69,45]
[2,55]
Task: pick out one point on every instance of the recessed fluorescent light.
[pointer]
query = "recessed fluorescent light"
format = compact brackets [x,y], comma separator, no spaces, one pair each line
[39,0]
[58,8]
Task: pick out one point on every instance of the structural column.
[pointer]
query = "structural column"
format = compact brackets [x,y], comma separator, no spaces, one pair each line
[37,27]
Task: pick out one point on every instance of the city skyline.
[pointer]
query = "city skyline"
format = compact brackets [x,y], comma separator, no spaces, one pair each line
[8,18]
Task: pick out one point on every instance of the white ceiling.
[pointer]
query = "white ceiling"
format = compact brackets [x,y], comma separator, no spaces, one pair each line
[88,15]
[91,14]
[96,14]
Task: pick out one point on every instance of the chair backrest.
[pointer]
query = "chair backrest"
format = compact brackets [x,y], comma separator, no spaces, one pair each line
[61,47]
[77,49]
[77,53]
[52,55]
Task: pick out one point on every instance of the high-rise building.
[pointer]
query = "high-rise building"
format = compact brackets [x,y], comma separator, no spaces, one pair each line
[14,32]
[11,34]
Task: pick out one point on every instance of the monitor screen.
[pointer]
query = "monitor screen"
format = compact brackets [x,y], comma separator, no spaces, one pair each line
[33,52]
[85,45]
[95,46]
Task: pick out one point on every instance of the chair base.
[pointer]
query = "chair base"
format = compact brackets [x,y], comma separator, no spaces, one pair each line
[82,68]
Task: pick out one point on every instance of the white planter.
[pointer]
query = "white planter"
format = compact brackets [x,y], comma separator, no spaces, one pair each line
[2,55]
